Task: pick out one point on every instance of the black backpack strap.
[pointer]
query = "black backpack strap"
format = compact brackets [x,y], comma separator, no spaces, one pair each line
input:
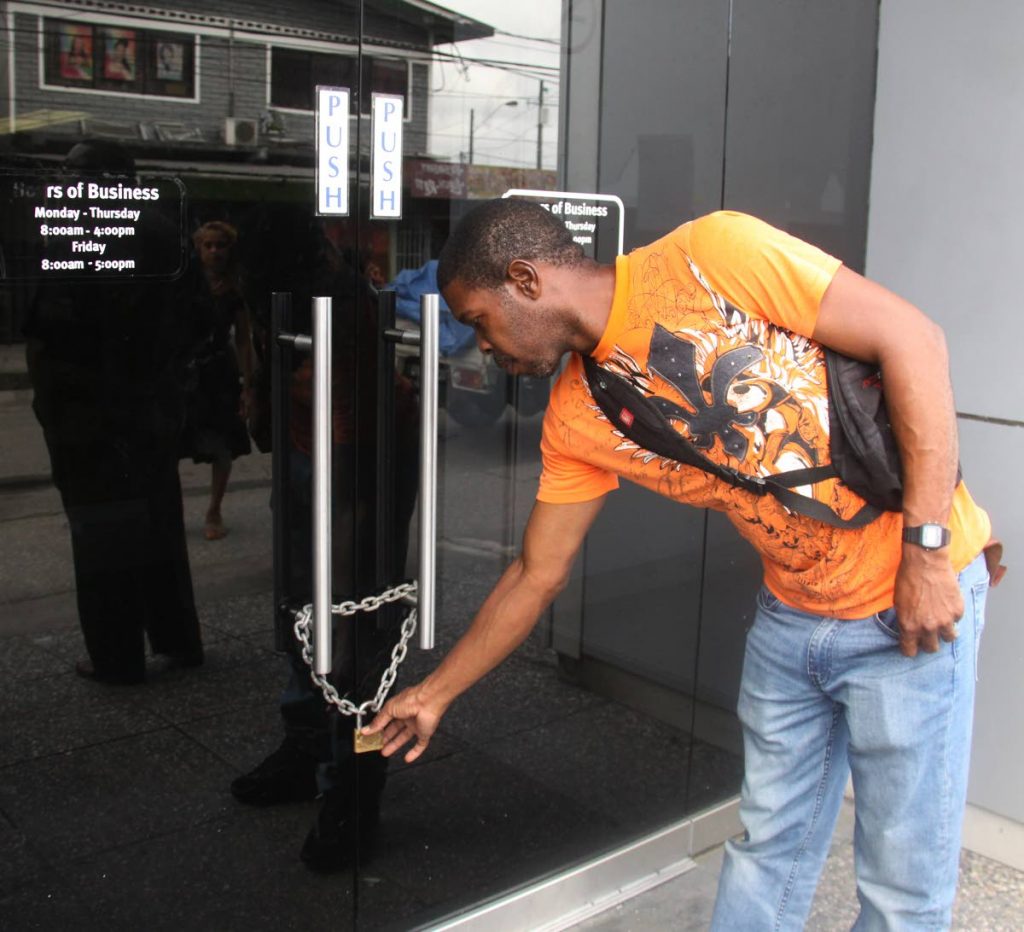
[630,411]
[812,508]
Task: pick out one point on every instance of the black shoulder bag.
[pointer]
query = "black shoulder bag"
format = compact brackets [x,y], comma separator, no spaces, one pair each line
[861,444]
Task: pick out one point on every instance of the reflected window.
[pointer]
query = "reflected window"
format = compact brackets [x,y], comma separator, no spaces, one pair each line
[111,59]
[295,73]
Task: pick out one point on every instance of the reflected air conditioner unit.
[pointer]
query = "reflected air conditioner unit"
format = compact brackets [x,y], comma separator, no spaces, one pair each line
[238,132]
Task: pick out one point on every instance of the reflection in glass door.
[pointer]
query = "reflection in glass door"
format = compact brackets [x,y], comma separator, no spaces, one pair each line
[136,344]
[156,176]
[544,765]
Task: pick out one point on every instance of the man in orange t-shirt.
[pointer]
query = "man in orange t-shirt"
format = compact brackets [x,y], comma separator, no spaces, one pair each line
[722,323]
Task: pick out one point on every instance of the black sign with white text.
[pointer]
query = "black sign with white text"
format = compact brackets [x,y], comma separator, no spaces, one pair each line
[595,220]
[88,227]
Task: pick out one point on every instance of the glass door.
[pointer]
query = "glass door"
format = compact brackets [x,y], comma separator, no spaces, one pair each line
[164,764]
[167,761]
[582,742]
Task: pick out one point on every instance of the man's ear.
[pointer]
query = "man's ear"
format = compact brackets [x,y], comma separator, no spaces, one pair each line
[525,277]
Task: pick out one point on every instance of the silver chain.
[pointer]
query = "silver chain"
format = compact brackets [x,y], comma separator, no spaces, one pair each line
[303,620]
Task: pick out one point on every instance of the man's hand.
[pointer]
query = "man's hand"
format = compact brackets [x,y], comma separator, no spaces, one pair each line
[404,718]
[864,320]
[552,537]
[928,601]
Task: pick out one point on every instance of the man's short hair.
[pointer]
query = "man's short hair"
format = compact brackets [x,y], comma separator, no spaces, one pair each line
[490,236]
[100,155]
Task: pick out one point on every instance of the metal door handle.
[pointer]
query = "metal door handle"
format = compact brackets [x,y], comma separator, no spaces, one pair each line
[322,440]
[429,322]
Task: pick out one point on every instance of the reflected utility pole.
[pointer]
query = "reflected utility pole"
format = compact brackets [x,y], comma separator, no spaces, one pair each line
[540,125]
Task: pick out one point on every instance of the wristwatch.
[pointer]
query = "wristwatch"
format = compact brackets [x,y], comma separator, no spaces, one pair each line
[928,536]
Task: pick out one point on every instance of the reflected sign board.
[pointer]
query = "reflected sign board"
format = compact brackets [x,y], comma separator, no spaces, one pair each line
[87,226]
[386,197]
[596,221]
[332,115]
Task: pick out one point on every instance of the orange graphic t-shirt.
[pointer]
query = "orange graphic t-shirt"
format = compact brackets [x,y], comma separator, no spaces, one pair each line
[715,319]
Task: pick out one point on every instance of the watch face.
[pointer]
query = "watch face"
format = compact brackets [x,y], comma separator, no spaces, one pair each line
[928,536]
[931,536]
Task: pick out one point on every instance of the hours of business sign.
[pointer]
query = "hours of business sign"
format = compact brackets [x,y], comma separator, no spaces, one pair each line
[596,221]
[91,227]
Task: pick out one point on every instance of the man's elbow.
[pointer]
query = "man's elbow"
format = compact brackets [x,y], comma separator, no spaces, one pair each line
[935,337]
[546,582]
[933,342]
[923,339]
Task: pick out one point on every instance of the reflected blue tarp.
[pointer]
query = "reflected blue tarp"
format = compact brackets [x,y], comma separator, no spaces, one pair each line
[408,285]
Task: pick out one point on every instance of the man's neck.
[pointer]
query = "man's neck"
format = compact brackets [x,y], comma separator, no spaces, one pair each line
[595,304]
[587,294]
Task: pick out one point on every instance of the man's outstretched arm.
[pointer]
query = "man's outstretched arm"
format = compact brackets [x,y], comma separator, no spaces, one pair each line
[551,541]
[864,320]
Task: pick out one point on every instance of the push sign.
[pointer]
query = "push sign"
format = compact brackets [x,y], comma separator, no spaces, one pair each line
[596,221]
[386,198]
[332,114]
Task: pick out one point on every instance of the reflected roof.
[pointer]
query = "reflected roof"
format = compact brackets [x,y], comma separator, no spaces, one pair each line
[335,22]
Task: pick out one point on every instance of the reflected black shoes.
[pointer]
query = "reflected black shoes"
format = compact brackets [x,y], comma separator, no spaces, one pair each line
[345,830]
[285,776]
[345,827]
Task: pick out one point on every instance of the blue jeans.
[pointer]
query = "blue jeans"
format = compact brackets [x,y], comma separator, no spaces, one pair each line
[823,698]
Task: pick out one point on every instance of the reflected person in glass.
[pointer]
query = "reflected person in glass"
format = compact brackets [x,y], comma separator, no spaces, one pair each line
[220,372]
[106,360]
[316,757]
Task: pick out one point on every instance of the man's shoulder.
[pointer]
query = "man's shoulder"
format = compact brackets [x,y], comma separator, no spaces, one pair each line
[721,229]
[706,239]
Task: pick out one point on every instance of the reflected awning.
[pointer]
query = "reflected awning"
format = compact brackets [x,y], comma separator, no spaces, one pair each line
[40,119]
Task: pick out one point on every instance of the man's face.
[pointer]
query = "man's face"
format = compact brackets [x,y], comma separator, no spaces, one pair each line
[508,326]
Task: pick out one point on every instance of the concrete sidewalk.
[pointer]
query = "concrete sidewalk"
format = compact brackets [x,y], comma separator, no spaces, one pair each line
[990,897]
[13,371]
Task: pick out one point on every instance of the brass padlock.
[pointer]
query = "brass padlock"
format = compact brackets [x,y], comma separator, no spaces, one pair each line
[363,744]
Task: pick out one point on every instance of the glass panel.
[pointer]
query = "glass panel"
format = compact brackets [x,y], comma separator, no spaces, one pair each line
[133,330]
[453,826]
[662,154]
[151,201]
[808,68]
[515,785]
